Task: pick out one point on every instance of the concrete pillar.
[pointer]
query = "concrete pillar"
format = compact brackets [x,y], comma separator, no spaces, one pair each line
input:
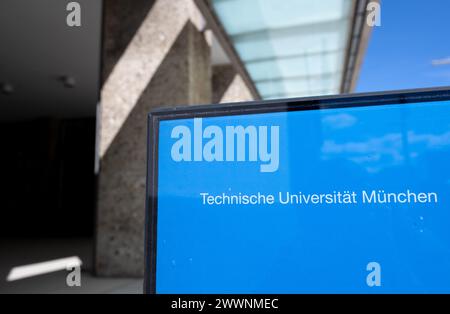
[228,86]
[155,54]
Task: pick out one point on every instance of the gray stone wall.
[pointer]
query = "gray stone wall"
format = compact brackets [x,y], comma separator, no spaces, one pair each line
[165,62]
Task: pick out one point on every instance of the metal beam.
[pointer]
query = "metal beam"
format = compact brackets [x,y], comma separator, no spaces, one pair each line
[298,77]
[293,56]
[356,46]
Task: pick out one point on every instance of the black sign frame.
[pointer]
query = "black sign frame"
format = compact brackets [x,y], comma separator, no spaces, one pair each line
[244,108]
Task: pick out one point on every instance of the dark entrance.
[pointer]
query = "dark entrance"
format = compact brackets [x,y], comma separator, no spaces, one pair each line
[47,178]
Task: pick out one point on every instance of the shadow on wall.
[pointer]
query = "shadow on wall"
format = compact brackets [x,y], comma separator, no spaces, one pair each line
[222,78]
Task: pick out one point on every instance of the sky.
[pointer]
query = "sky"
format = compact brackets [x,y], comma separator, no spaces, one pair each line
[401,51]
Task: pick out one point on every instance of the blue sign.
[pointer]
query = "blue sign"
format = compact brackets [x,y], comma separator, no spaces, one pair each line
[344,199]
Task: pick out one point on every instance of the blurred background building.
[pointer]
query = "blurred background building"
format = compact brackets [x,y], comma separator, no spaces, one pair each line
[74,104]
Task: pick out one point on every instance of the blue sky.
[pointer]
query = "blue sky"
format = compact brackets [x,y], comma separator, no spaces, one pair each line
[401,51]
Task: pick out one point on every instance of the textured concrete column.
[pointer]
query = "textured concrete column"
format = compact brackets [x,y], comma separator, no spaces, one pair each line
[228,86]
[154,55]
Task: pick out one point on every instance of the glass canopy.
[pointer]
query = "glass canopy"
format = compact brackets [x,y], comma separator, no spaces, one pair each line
[290,48]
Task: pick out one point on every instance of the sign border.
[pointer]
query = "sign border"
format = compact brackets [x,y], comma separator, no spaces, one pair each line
[245,108]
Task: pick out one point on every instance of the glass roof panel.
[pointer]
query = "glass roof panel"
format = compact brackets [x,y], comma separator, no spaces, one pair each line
[289,47]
